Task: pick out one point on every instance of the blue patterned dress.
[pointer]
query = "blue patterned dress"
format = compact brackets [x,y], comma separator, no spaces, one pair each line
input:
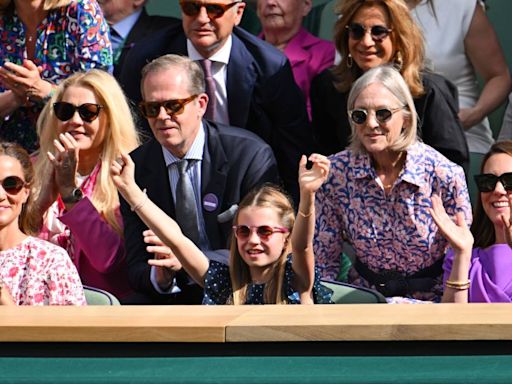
[218,289]
[394,231]
[70,39]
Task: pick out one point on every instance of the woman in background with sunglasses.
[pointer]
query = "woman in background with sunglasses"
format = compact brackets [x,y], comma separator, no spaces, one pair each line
[482,273]
[261,269]
[83,128]
[32,271]
[370,33]
[378,193]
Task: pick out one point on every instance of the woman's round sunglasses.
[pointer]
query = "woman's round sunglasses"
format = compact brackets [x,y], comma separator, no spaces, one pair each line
[151,109]
[486,182]
[88,112]
[378,32]
[243,232]
[383,115]
[12,185]
[214,10]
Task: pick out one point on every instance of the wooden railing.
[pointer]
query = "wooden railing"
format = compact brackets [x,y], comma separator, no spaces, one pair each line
[221,324]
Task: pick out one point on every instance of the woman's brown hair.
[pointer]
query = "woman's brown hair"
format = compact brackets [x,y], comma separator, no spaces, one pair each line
[25,220]
[406,37]
[482,227]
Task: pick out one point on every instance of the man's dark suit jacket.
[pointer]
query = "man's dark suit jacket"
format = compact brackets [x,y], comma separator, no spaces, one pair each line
[234,162]
[262,94]
[144,27]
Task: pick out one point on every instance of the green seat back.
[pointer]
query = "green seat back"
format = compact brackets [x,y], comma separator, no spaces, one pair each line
[344,293]
[96,296]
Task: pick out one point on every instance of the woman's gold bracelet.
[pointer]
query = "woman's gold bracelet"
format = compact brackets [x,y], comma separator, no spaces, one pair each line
[459,285]
[304,215]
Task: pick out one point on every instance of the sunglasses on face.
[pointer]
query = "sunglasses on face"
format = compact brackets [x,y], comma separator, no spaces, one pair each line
[12,185]
[243,232]
[88,112]
[487,182]
[175,107]
[378,32]
[214,10]
[383,115]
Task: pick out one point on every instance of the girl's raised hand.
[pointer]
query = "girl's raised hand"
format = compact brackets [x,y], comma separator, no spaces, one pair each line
[457,233]
[122,171]
[311,179]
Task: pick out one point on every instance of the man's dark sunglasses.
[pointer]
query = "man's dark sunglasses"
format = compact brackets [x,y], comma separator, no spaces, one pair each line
[378,32]
[214,10]
[65,111]
[486,182]
[175,107]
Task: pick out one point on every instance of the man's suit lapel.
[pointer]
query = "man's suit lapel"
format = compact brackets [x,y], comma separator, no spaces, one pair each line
[241,78]
[155,177]
[213,181]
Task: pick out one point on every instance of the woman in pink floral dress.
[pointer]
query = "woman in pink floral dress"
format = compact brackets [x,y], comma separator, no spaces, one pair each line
[32,271]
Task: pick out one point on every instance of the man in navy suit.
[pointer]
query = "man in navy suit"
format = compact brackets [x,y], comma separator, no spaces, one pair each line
[255,88]
[224,164]
[130,23]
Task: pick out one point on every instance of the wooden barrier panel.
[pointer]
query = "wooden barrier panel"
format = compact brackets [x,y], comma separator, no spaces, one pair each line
[269,323]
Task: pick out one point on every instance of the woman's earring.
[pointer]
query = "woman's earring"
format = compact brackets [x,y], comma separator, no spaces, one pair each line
[350,61]
[399,61]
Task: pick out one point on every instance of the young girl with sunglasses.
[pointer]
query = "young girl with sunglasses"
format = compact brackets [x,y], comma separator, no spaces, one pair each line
[482,273]
[261,269]
[82,129]
[32,271]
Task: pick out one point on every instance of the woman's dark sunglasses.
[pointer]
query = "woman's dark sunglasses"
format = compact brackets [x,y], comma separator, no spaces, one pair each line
[243,232]
[214,10]
[382,115]
[12,185]
[487,182]
[88,112]
[378,32]
[175,107]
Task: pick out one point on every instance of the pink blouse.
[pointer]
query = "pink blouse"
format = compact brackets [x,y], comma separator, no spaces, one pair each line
[37,272]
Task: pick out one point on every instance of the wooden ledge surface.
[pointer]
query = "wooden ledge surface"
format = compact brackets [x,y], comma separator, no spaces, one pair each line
[219,324]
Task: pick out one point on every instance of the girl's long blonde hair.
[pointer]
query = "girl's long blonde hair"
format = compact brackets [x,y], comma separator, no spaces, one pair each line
[120,136]
[266,196]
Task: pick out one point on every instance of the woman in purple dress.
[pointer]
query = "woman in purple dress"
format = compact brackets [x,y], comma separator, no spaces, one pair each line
[478,267]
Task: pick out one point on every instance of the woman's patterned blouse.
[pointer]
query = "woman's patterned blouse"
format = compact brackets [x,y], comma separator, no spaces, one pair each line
[74,38]
[37,272]
[393,231]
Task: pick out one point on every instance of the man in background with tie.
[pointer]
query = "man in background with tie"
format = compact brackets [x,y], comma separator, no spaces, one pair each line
[195,170]
[250,82]
[129,23]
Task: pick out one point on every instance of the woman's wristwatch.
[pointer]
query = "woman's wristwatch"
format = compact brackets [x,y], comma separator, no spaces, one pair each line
[75,196]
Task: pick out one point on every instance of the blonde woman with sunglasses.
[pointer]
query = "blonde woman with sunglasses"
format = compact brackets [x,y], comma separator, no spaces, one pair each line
[261,268]
[377,196]
[83,128]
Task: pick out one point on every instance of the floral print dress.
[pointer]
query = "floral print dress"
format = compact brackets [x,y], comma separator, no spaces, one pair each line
[74,38]
[37,272]
[392,231]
